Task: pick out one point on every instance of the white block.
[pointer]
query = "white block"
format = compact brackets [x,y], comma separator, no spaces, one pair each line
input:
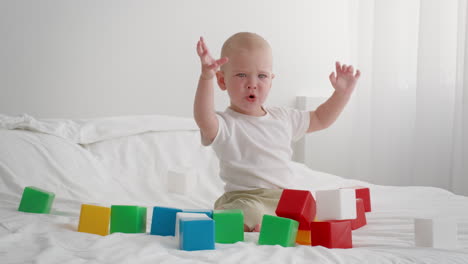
[435,233]
[181,180]
[182,215]
[336,204]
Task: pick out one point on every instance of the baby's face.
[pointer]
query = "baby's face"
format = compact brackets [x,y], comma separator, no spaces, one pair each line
[247,79]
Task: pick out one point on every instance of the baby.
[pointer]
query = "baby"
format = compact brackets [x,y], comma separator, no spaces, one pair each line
[253,142]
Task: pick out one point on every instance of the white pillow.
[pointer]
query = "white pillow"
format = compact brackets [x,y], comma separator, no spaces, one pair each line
[86,131]
[52,163]
[146,159]
[107,159]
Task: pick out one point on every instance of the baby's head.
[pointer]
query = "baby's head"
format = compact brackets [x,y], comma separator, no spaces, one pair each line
[245,42]
[247,76]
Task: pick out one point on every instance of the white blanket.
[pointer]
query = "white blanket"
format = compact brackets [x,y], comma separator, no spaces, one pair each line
[132,170]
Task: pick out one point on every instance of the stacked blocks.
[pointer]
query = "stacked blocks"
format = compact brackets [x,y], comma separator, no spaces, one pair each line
[35,200]
[164,220]
[128,219]
[229,225]
[333,206]
[361,215]
[364,194]
[336,204]
[298,205]
[94,219]
[278,231]
[196,232]
[332,234]
[436,233]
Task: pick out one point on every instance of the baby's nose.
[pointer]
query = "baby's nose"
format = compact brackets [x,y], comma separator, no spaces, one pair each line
[251,83]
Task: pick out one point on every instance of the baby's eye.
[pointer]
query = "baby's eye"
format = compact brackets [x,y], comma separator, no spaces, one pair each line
[262,76]
[241,75]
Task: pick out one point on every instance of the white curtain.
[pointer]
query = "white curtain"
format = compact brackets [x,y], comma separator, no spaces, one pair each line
[410,110]
[413,104]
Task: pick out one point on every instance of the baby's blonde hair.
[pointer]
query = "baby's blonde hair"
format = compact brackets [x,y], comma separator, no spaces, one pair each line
[243,40]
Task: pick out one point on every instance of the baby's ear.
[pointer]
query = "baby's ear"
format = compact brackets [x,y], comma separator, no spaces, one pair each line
[272,76]
[220,79]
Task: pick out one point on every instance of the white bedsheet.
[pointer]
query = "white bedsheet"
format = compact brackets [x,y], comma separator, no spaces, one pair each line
[387,238]
[132,169]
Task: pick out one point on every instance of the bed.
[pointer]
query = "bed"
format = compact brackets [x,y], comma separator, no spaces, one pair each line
[127,160]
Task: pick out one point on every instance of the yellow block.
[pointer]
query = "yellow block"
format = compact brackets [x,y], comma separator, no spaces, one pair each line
[94,219]
[303,237]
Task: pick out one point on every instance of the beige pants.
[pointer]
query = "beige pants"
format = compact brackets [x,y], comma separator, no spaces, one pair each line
[255,203]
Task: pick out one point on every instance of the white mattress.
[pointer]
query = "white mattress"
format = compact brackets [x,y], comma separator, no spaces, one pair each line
[131,169]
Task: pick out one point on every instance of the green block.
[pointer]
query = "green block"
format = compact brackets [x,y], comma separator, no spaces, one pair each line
[278,231]
[128,219]
[36,200]
[229,225]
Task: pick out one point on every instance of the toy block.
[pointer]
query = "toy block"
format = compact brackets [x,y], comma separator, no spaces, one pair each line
[360,220]
[278,231]
[436,233]
[364,194]
[229,227]
[35,200]
[208,212]
[298,205]
[164,220]
[128,219]
[181,180]
[185,215]
[94,219]
[336,204]
[196,233]
[303,237]
[331,234]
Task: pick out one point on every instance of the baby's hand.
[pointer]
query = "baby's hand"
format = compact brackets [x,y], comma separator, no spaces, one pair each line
[345,79]
[209,65]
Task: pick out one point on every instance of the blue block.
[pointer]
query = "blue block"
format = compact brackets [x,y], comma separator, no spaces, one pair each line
[197,234]
[208,212]
[163,222]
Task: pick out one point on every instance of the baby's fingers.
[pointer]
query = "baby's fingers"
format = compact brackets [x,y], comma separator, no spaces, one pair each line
[222,61]
[203,45]
[332,78]
[358,74]
[202,49]
[217,63]
[338,67]
[199,49]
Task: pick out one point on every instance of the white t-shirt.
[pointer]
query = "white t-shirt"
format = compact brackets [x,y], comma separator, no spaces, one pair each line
[255,152]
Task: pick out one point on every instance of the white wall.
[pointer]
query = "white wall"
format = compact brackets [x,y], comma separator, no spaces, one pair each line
[101,58]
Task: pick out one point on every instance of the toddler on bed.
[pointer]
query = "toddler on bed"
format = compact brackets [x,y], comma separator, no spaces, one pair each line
[252,141]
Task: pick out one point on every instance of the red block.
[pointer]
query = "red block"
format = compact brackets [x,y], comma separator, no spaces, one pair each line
[332,234]
[360,215]
[364,194]
[298,205]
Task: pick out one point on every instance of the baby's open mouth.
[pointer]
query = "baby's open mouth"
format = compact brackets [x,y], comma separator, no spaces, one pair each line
[251,98]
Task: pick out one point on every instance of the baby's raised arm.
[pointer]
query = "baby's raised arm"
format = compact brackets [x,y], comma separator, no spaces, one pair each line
[203,108]
[344,83]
